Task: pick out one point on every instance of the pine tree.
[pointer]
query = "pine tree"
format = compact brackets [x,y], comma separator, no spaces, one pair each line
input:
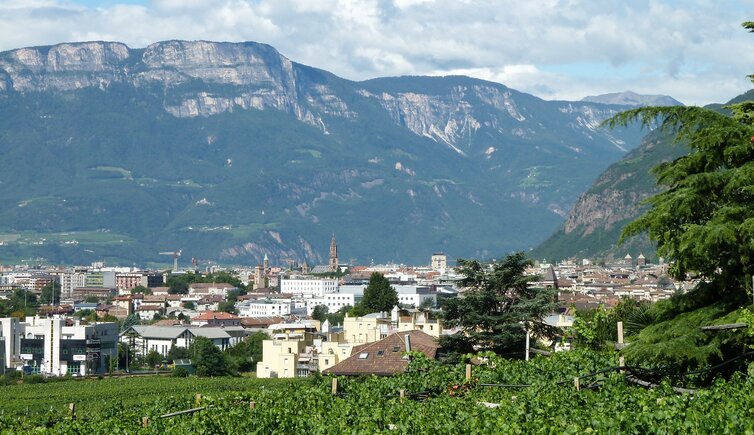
[495,307]
[704,219]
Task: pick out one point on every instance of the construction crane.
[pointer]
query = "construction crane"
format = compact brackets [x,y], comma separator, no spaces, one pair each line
[176,255]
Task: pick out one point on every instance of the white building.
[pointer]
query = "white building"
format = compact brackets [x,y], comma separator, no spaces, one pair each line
[145,338]
[415,296]
[308,287]
[334,301]
[264,308]
[70,281]
[439,262]
[57,346]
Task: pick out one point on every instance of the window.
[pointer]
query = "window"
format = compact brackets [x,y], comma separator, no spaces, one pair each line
[364,355]
[396,349]
[381,352]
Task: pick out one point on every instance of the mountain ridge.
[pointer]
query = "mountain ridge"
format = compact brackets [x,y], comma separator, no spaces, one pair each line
[231,151]
[595,222]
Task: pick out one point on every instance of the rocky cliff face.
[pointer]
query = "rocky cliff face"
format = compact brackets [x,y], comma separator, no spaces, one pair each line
[595,222]
[201,78]
[237,152]
[251,76]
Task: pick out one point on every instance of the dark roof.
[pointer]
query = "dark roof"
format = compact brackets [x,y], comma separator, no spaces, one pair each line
[385,357]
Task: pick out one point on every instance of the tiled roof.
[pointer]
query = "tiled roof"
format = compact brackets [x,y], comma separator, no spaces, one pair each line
[215,315]
[150,308]
[260,322]
[385,357]
[209,285]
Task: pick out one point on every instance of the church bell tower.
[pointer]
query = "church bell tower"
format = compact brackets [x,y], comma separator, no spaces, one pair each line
[333,254]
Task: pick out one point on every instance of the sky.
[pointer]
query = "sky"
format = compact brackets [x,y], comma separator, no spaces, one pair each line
[693,50]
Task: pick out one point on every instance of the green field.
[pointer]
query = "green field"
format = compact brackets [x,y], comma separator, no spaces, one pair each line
[606,403]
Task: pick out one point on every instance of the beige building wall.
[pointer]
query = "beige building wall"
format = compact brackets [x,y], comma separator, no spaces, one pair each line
[333,353]
[359,330]
[280,358]
[433,328]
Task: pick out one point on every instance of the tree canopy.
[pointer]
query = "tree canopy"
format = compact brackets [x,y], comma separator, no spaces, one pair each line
[704,219]
[379,296]
[50,293]
[208,359]
[495,307]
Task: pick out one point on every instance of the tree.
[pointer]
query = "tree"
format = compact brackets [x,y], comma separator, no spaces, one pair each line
[176,352]
[227,306]
[247,353]
[496,306]
[153,358]
[50,293]
[130,321]
[379,295]
[320,313]
[21,303]
[177,286]
[208,359]
[337,317]
[226,277]
[189,305]
[703,220]
[91,299]
[141,289]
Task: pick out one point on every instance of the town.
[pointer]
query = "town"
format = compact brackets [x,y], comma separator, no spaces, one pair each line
[84,320]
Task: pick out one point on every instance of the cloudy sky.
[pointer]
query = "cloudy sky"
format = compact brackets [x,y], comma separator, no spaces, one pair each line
[695,51]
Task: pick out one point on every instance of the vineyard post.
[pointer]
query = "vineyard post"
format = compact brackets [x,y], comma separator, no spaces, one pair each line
[468,372]
[72,410]
[620,333]
[576,383]
[402,394]
[334,386]
[252,404]
[621,363]
[198,399]
[144,421]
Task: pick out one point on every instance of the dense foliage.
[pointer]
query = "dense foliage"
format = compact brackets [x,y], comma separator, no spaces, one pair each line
[448,403]
[702,220]
[379,296]
[497,305]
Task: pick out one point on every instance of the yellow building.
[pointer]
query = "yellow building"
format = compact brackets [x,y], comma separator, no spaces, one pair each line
[295,348]
[421,321]
[280,358]
[366,329]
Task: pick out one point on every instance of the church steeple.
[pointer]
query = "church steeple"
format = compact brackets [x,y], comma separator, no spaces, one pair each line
[333,254]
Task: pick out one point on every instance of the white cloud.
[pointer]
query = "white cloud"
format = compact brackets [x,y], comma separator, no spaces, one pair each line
[693,50]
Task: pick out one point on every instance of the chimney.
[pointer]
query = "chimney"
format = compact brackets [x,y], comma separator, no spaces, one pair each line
[408,342]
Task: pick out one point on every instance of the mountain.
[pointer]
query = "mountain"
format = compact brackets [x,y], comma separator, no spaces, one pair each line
[230,151]
[594,225]
[629,98]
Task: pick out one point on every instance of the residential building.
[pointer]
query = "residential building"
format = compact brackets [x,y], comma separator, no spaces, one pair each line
[148,312]
[216,318]
[387,356]
[366,329]
[145,338]
[333,301]
[215,289]
[439,262]
[264,308]
[101,293]
[70,281]
[100,279]
[308,287]
[281,357]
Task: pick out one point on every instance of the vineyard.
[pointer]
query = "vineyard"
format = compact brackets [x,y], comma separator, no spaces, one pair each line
[501,396]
